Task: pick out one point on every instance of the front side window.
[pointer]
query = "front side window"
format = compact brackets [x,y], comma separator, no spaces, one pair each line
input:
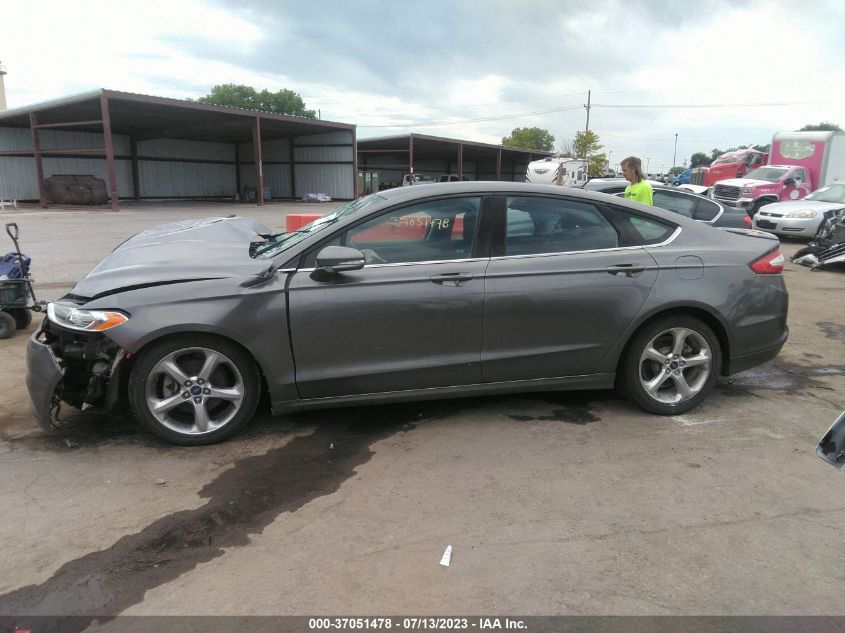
[537,225]
[435,230]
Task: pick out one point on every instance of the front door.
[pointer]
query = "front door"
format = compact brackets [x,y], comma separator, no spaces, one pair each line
[410,319]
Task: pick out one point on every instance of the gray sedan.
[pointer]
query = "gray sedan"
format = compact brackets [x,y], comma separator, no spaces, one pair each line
[430,292]
[680,201]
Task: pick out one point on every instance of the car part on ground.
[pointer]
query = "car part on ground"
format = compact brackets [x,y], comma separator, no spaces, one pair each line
[827,250]
[831,447]
[442,291]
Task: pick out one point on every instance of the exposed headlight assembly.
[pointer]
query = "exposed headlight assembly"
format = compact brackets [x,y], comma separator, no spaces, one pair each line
[748,190]
[808,213]
[85,320]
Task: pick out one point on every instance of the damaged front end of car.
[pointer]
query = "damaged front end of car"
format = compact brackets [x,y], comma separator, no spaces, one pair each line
[70,359]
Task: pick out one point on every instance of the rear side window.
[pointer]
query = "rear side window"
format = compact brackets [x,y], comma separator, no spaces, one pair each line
[637,230]
[676,203]
[537,225]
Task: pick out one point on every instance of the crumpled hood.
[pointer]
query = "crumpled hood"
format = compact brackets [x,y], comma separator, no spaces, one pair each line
[182,251]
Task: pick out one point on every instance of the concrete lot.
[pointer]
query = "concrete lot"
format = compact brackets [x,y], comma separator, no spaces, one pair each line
[571,503]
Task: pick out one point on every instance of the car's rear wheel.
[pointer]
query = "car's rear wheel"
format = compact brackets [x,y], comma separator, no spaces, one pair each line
[195,389]
[672,364]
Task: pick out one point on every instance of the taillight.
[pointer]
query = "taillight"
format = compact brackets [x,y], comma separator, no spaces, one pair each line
[747,221]
[769,264]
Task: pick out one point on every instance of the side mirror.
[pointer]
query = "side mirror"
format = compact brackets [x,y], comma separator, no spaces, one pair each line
[788,182]
[338,259]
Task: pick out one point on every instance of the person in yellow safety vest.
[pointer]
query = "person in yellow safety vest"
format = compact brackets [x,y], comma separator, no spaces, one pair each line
[640,189]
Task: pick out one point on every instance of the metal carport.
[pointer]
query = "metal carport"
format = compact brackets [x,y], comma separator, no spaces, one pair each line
[154,147]
[393,156]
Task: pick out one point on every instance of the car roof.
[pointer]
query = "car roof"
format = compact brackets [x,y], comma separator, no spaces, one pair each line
[420,192]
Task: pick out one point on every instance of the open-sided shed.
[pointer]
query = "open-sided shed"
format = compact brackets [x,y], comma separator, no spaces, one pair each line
[394,156]
[154,147]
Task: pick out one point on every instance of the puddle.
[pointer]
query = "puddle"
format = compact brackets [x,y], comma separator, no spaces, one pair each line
[832,330]
[778,375]
[569,407]
[240,502]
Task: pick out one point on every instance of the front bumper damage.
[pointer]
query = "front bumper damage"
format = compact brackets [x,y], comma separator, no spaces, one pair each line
[84,370]
[43,376]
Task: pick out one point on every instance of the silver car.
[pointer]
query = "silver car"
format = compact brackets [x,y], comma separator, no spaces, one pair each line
[432,292]
[800,218]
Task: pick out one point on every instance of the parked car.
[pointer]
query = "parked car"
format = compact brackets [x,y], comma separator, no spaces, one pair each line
[800,218]
[680,201]
[683,178]
[188,322]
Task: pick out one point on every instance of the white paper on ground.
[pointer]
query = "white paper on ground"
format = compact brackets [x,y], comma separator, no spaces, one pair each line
[447,556]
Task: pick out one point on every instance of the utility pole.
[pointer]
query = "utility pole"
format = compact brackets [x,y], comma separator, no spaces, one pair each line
[675,154]
[587,129]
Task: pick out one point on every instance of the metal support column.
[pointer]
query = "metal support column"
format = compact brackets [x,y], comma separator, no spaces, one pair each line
[499,165]
[259,165]
[460,161]
[292,155]
[355,163]
[411,159]
[136,180]
[104,107]
[39,165]
[237,172]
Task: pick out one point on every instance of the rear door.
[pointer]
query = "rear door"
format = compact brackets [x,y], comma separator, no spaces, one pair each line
[410,319]
[563,285]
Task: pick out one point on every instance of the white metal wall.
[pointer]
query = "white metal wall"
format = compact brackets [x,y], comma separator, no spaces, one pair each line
[196,168]
[328,169]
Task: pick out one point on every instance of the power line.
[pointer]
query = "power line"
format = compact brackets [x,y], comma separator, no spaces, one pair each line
[702,105]
[464,121]
[474,105]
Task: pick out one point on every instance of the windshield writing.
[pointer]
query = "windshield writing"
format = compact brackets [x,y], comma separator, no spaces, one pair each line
[280,242]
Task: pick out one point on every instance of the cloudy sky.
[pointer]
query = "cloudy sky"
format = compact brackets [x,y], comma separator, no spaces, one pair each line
[717,73]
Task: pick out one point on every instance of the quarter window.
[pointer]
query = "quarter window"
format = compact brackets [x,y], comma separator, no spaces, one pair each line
[636,230]
[538,225]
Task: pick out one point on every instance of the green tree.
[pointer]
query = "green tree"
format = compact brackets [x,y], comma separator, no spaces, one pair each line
[530,138]
[824,126]
[587,145]
[699,158]
[239,96]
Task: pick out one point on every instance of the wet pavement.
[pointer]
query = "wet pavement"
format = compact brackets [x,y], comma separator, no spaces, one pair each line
[565,503]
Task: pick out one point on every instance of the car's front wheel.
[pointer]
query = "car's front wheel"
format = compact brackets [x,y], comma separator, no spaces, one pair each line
[672,364]
[195,389]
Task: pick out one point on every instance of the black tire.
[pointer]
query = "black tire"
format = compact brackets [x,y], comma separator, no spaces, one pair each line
[660,335]
[7,324]
[22,316]
[756,206]
[182,421]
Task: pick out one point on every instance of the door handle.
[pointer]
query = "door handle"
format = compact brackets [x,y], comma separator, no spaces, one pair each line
[629,270]
[455,278]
